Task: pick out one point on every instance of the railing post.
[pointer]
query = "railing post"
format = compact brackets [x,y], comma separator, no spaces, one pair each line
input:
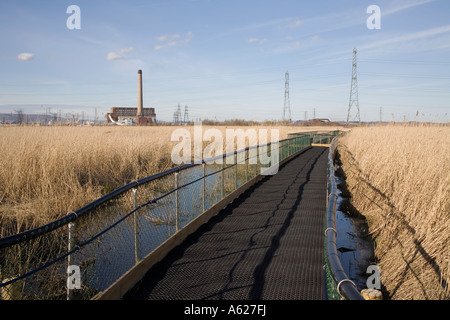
[281,150]
[204,187]
[247,162]
[223,178]
[292,146]
[256,164]
[235,171]
[136,231]
[289,148]
[176,202]
[70,244]
[288,151]
[282,146]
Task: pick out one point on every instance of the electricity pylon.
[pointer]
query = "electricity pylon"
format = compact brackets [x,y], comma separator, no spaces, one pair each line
[354,91]
[287,104]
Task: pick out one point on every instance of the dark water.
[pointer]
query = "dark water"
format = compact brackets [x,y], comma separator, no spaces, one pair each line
[355,248]
[119,249]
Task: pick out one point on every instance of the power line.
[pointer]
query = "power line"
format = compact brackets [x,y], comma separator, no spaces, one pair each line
[404,75]
[384,61]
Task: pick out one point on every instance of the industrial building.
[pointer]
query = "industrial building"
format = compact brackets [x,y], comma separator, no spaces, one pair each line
[128,116]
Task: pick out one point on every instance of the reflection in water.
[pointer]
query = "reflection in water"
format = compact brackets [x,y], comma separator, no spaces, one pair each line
[355,248]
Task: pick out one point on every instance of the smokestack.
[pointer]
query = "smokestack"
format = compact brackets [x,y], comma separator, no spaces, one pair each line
[140,112]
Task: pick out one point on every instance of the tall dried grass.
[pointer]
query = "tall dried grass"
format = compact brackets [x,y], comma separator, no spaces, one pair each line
[399,178]
[46,172]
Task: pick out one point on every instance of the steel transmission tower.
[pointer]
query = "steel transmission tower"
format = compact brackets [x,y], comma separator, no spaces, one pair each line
[186,114]
[177,116]
[287,104]
[354,91]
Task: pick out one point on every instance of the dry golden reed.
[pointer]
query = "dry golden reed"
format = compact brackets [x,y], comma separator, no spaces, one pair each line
[399,178]
[46,172]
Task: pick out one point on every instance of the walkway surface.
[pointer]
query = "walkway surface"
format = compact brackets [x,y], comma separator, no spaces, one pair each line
[266,245]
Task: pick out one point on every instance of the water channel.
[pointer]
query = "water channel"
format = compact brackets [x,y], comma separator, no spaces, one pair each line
[355,247]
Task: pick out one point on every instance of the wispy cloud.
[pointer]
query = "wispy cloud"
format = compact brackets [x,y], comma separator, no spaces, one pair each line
[398,6]
[92,40]
[279,23]
[166,38]
[172,40]
[258,41]
[119,54]
[409,37]
[295,23]
[25,56]
[349,18]
[265,24]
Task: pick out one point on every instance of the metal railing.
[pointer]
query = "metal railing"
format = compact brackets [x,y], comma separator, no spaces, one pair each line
[317,137]
[107,237]
[338,284]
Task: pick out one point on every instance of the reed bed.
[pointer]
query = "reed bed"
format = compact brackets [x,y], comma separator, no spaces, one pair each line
[399,179]
[46,172]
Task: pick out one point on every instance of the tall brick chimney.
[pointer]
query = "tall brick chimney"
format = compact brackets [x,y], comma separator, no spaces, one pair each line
[140,112]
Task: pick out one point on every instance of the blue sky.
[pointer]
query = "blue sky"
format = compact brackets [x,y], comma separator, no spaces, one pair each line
[227,59]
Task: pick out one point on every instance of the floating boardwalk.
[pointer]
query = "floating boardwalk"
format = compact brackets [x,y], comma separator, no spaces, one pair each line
[266,245]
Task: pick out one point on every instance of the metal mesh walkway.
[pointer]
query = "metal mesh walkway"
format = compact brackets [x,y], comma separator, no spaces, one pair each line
[266,245]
